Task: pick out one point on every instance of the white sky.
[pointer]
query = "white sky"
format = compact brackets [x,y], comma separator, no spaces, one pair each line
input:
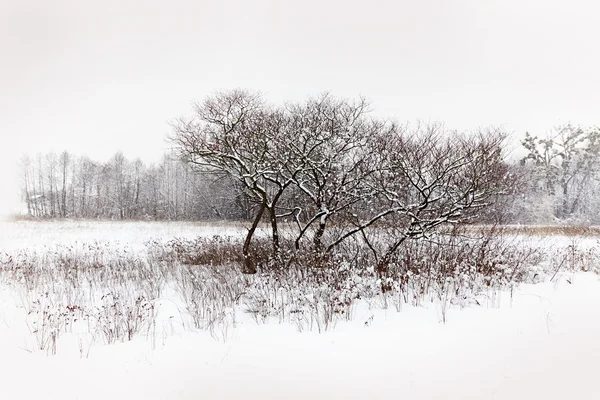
[95,77]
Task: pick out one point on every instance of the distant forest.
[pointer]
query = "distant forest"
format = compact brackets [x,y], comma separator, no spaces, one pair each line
[67,186]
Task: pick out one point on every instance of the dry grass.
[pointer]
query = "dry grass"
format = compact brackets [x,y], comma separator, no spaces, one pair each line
[544,230]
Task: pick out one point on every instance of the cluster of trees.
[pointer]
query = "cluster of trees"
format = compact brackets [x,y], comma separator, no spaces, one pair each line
[563,176]
[65,186]
[324,165]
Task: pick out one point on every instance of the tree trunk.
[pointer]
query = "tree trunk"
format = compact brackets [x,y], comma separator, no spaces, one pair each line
[565,200]
[249,266]
[275,230]
[318,238]
[382,267]
[64,192]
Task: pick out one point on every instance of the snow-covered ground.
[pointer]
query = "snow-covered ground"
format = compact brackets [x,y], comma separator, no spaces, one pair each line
[36,234]
[544,346]
[538,342]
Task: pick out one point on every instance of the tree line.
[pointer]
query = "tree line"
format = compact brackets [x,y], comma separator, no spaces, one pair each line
[66,186]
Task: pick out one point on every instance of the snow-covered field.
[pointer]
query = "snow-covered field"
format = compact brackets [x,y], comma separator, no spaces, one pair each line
[37,234]
[535,342]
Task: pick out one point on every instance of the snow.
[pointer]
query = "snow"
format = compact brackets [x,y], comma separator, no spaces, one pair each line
[538,342]
[37,234]
[543,346]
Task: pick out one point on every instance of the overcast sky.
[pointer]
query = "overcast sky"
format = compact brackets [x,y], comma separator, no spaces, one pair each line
[95,77]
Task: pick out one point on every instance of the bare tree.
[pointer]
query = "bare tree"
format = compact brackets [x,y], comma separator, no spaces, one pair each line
[333,160]
[431,177]
[53,188]
[64,161]
[228,135]
[26,181]
[41,187]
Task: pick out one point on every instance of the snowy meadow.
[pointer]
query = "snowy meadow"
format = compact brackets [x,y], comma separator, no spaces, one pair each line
[268,200]
[161,310]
